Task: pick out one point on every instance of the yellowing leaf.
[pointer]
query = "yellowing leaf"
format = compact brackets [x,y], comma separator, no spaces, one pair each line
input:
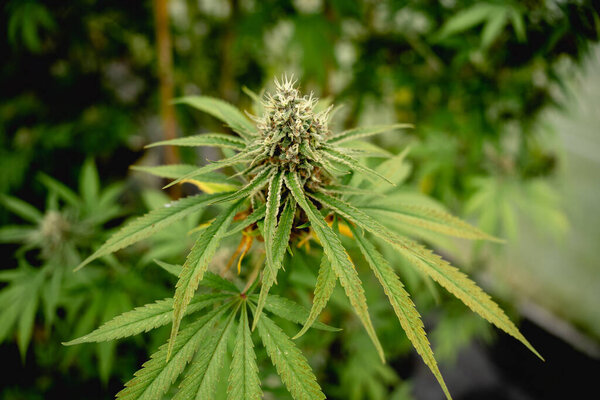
[210,187]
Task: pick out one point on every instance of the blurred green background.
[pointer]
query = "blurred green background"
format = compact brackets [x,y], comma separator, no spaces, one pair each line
[504,96]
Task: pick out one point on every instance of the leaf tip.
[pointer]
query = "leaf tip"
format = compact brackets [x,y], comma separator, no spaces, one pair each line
[81,265]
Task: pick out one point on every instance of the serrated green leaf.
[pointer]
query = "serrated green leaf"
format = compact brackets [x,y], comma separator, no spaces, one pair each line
[203,374]
[459,284]
[256,184]
[347,190]
[175,171]
[291,365]
[158,374]
[196,264]
[171,171]
[432,265]
[270,223]
[366,149]
[395,169]
[280,243]
[145,318]
[224,111]
[155,220]
[338,257]
[326,281]
[173,269]
[244,382]
[205,139]
[432,219]
[336,155]
[210,280]
[198,173]
[360,133]
[292,311]
[256,216]
[405,310]
[217,282]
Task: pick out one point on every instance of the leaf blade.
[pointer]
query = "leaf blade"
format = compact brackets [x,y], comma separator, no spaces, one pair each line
[22,209]
[202,171]
[405,310]
[362,132]
[338,257]
[451,278]
[338,156]
[257,183]
[158,373]
[203,374]
[244,365]
[148,224]
[224,111]
[292,367]
[326,281]
[204,139]
[433,220]
[270,222]
[196,264]
[143,319]
[280,241]
[292,311]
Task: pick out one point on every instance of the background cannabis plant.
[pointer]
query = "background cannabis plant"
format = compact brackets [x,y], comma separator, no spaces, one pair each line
[52,242]
[295,182]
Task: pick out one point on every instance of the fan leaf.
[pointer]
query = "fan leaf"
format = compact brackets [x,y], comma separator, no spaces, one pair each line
[146,225]
[174,171]
[455,281]
[323,290]
[158,374]
[280,244]
[198,173]
[256,216]
[145,318]
[256,184]
[363,132]
[203,374]
[338,258]
[291,365]
[292,311]
[205,139]
[196,264]
[273,200]
[405,310]
[433,220]
[210,280]
[223,111]
[338,156]
[21,208]
[244,382]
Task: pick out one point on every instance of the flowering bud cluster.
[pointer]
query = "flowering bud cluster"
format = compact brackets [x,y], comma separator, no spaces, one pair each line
[290,129]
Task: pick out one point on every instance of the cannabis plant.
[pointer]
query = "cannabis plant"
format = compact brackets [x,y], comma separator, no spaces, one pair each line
[43,288]
[297,182]
[54,237]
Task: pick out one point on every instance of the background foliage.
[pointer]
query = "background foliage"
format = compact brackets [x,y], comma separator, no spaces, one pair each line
[79,81]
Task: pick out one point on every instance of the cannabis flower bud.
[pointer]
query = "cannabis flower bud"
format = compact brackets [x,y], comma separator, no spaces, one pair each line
[290,130]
